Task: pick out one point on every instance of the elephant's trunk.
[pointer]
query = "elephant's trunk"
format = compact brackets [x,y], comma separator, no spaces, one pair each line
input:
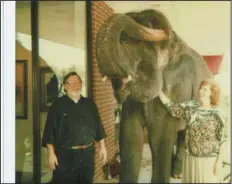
[115,58]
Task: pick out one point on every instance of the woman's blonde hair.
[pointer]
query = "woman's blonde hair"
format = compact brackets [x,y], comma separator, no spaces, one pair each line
[215,90]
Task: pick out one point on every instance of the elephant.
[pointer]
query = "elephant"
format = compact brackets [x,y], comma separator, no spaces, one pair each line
[141,55]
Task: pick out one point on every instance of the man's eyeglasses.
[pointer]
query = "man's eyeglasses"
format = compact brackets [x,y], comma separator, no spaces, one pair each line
[73,82]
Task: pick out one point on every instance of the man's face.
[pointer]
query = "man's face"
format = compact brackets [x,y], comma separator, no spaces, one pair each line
[73,86]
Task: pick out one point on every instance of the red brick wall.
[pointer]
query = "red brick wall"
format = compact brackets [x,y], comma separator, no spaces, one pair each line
[102,91]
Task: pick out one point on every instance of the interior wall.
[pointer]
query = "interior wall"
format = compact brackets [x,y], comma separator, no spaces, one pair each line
[24,126]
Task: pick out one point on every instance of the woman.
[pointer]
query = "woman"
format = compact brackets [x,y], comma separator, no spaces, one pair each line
[205,134]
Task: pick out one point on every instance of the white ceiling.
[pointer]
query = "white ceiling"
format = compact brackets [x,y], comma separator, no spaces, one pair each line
[59,21]
[205,26]
[126,6]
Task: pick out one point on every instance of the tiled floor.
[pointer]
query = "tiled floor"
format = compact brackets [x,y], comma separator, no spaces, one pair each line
[146,167]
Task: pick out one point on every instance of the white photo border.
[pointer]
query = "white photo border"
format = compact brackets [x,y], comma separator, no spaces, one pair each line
[8,91]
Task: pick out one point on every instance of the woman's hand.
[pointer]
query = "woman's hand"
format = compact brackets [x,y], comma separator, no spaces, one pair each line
[218,162]
[217,167]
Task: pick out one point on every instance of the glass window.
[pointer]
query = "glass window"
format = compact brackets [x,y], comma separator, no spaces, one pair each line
[62,48]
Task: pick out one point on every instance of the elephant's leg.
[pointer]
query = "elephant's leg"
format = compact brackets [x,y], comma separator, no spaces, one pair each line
[161,139]
[161,165]
[173,158]
[131,143]
[177,169]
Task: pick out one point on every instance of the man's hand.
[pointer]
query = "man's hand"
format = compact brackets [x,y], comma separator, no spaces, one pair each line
[52,161]
[51,157]
[103,152]
[103,155]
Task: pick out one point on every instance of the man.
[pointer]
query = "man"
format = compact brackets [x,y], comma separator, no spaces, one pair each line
[72,124]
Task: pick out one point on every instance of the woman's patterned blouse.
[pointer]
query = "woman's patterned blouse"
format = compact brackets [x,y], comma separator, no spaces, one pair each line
[205,129]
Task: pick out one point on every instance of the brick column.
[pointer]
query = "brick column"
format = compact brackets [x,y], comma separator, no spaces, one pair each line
[102,91]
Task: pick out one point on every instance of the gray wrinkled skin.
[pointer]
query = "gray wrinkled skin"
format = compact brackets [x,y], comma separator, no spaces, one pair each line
[170,65]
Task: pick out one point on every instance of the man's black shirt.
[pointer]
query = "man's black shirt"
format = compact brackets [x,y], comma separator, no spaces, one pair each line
[71,124]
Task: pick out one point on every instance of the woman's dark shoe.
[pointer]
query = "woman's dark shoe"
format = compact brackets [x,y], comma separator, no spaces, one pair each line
[177,176]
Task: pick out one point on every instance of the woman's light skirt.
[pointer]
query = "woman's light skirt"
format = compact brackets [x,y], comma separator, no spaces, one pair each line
[200,170]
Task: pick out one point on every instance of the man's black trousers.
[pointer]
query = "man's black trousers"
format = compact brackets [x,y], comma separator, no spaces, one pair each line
[75,166]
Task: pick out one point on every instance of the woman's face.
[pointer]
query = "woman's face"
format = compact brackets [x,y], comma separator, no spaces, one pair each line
[205,92]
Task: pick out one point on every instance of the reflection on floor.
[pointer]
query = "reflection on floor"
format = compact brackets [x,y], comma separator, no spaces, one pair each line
[27,169]
[144,176]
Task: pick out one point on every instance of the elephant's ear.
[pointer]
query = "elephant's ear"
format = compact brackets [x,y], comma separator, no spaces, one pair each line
[180,79]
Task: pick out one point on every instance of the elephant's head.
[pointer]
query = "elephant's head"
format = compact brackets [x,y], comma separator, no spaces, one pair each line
[132,51]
